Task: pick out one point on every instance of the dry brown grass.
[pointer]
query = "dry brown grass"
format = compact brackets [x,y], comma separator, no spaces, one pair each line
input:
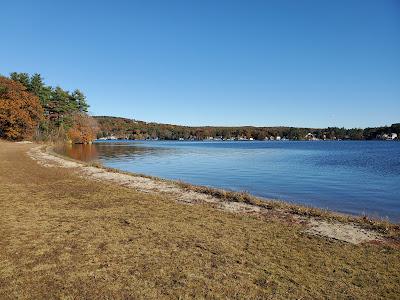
[383,226]
[66,237]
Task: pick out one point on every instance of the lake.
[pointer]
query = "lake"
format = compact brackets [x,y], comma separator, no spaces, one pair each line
[355,177]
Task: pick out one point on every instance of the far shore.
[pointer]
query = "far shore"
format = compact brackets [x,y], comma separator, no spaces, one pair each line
[80,230]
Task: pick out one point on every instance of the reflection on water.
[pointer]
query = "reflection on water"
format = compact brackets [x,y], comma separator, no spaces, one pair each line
[93,152]
[351,177]
[79,151]
[124,150]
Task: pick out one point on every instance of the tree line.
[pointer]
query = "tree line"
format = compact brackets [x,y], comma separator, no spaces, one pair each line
[30,109]
[133,129]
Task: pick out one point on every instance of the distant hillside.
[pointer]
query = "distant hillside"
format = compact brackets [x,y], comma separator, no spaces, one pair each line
[134,129]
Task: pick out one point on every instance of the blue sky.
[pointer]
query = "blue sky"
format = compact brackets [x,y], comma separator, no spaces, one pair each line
[299,63]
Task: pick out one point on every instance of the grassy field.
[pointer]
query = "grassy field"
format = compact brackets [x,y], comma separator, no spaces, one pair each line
[63,236]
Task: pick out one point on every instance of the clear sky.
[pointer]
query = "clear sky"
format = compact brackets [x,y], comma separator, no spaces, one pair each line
[299,63]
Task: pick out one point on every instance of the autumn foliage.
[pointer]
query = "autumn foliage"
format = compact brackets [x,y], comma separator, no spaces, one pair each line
[30,109]
[83,130]
[20,111]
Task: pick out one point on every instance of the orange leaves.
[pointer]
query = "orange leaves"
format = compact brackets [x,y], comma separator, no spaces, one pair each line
[20,111]
[84,129]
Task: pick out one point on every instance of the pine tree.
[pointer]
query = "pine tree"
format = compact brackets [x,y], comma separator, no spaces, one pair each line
[80,99]
[21,77]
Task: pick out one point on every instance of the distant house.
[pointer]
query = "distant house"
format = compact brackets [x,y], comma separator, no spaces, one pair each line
[278,138]
[310,137]
[389,137]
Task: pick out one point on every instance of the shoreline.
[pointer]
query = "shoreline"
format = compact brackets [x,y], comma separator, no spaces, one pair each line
[73,230]
[323,222]
[337,177]
[227,141]
[243,196]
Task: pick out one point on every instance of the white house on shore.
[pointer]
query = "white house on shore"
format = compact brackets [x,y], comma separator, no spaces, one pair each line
[311,137]
[388,137]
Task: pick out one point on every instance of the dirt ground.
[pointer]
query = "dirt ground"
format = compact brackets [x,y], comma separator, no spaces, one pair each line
[67,234]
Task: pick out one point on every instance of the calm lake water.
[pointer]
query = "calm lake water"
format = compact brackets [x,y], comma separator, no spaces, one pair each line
[356,177]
